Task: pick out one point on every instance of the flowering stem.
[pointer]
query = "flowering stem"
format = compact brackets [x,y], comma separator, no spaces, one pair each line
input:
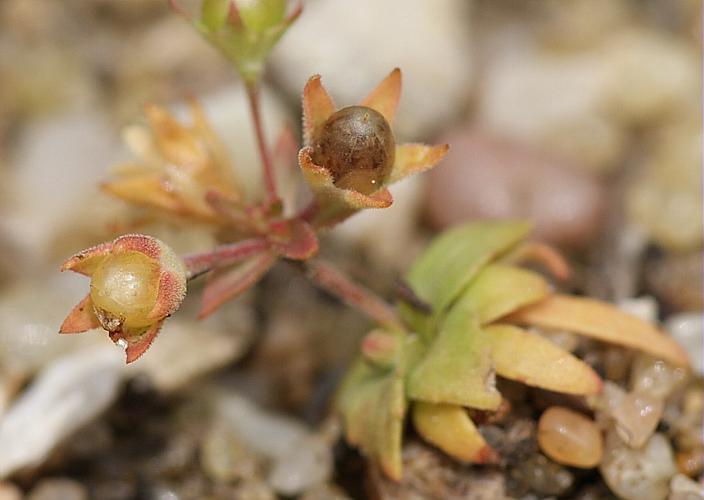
[223,255]
[330,279]
[267,166]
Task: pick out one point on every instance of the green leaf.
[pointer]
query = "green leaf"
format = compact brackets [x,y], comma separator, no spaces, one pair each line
[500,289]
[457,366]
[373,406]
[448,266]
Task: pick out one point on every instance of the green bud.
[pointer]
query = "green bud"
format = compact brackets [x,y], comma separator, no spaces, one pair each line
[213,13]
[260,15]
[380,348]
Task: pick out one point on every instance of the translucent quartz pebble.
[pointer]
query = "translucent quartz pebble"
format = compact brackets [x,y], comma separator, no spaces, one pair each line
[638,474]
[687,330]
[637,416]
[655,377]
[570,438]
[684,488]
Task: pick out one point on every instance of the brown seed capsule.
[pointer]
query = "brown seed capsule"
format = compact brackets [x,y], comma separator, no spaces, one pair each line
[570,438]
[357,147]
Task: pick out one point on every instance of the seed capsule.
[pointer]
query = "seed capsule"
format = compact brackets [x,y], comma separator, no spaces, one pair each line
[570,438]
[357,147]
[124,288]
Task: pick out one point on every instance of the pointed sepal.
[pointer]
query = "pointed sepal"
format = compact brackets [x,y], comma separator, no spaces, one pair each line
[415,158]
[385,96]
[317,107]
[81,318]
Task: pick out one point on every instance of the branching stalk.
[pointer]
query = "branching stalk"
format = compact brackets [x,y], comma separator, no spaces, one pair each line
[223,255]
[333,281]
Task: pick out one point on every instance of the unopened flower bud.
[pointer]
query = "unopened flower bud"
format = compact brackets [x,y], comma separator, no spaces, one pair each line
[380,347]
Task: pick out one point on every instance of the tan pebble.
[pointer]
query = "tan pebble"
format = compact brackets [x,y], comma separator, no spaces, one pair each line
[570,438]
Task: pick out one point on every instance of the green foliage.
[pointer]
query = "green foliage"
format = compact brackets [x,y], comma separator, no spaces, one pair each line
[244,31]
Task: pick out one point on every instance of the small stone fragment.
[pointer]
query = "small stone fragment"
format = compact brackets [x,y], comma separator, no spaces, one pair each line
[642,474]
[684,488]
[570,438]
[655,377]
[487,178]
[430,474]
[325,491]
[58,489]
[666,191]
[691,462]
[66,395]
[542,476]
[670,280]
[687,330]
[9,491]
[224,457]
[307,463]
[637,416]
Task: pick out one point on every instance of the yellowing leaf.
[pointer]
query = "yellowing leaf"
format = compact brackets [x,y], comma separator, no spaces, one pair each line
[373,406]
[449,428]
[600,321]
[457,367]
[500,289]
[450,263]
[534,360]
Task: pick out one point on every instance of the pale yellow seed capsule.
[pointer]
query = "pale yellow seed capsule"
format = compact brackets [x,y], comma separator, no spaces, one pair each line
[570,438]
[125,287]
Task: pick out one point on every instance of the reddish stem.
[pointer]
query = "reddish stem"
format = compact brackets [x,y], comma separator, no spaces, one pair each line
[333,281]
[223,255]
[267,166]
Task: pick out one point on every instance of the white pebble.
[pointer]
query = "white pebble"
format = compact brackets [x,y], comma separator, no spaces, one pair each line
[642,474]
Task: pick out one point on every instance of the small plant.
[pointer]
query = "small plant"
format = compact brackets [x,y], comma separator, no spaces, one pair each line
[462,315]
[460,319]
[348,159]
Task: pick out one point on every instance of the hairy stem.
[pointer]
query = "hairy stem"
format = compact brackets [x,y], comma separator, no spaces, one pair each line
[223,255]
[267,166]
[333,281]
